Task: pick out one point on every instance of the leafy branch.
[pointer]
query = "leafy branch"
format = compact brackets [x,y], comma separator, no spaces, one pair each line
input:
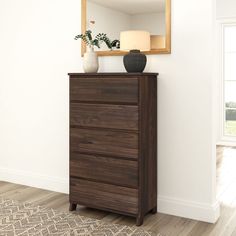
[99,39]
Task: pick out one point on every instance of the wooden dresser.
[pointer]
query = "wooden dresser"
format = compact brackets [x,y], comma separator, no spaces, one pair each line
[113,142]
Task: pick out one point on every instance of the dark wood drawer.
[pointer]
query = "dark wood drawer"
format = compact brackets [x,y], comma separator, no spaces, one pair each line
[113,143]
[104,90]
[105,169]
[105,116]
[104,196]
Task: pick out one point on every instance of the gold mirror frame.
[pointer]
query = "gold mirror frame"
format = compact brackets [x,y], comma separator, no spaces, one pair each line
[166,50]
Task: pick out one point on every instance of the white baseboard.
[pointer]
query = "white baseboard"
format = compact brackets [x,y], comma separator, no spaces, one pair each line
[35,180]
[191,210]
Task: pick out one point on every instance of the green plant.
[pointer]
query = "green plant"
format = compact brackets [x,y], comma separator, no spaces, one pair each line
[98,40]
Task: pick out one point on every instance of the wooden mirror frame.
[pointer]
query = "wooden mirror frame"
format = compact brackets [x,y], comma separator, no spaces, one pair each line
[166,50]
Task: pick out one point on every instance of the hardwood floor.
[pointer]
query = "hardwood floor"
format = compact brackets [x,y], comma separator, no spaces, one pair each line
[165,224]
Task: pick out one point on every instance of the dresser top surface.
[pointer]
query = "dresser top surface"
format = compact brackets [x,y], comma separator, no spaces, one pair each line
[113,74]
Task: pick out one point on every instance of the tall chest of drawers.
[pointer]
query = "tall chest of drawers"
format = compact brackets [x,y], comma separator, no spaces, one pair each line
[113,142]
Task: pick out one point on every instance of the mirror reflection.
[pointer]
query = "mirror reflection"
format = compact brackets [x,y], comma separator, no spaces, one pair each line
[114,16]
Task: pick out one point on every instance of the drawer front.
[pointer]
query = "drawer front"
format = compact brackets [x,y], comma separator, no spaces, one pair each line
[104,116]
[104,196]
[106,142]
[104,169]
[123,90]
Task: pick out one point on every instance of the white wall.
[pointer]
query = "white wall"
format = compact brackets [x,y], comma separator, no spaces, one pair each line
[153,23]
[37,51]
[225,8]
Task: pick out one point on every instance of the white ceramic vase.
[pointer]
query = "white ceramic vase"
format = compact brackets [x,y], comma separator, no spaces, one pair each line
[90,63]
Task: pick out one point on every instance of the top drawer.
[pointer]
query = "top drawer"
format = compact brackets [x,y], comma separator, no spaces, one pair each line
[120,90]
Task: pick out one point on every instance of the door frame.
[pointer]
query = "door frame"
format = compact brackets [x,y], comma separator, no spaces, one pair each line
[221,24]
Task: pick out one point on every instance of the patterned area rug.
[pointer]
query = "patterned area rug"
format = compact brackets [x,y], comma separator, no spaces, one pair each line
[26,219]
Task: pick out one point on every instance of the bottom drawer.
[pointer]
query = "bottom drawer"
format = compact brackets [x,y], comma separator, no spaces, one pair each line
[104,196]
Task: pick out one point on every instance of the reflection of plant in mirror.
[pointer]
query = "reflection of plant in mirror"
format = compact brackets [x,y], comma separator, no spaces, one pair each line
[99,39]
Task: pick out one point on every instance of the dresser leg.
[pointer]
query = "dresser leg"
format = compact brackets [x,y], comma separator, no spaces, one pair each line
[72,207]
[139,220]
[154,210]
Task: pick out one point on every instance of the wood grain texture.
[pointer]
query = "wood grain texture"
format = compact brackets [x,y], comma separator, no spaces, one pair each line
[104,169]
[121,75]
[113,140]
[104,89]
[147,146]
[104,116]
[168,26]
[104,196]
[107,142]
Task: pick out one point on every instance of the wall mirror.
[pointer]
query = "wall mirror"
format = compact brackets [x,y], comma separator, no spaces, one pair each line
[113,16]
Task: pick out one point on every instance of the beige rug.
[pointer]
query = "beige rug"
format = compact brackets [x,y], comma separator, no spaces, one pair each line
[26,219]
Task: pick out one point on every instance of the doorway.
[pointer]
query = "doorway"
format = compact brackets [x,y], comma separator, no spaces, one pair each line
[228,83]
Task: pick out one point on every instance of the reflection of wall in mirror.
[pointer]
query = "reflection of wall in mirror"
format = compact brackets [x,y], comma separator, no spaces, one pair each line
[151,22]
[107,21]
[112,22]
